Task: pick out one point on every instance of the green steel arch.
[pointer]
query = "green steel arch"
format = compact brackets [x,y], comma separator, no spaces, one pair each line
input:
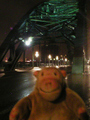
[50,21]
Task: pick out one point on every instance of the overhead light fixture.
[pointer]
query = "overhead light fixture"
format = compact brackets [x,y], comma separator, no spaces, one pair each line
[28,41]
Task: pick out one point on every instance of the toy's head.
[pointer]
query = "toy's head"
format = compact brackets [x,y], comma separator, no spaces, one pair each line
[50,82]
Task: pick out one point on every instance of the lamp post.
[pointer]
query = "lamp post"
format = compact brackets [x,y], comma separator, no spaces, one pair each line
[61,59]
[66,60]
[57,58]
[49,56]
[37,55]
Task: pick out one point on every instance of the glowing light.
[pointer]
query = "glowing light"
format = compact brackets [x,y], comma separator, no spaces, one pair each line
[88,61]
[57,66]
[22,40]
[49,56]
[28,42]
[65,59]
[30,39]
[57,57]
[37,54]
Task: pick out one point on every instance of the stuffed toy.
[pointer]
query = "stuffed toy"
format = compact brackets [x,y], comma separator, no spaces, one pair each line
[51,99]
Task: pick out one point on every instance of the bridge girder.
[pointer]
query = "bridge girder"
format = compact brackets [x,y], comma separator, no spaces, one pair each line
[52,20]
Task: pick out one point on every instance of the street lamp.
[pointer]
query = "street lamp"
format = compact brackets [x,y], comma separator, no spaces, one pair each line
[28,41]
[66,60]
[37,55]
[57,58]
[49,56]
[61,59]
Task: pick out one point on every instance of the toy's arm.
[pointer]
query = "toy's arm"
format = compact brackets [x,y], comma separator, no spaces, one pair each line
[76,104]
[21,110]
[83,114]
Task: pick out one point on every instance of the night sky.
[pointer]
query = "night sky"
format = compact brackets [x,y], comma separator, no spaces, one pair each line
[11,11]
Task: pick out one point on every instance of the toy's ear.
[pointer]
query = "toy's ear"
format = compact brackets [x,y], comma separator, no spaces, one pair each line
[36,73]
[63,73]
